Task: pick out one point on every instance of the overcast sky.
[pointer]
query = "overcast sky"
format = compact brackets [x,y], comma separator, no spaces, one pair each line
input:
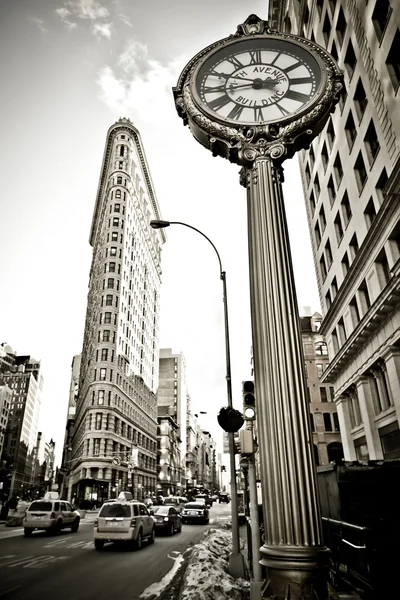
[68,71]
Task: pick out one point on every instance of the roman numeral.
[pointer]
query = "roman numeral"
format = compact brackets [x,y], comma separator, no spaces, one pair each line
[283,110]
[276,58]
[293,66]
[258,114]
[219,102]
[235,62]
[217,88]
[235,112]
[301,80]
[297,96]
[255,57]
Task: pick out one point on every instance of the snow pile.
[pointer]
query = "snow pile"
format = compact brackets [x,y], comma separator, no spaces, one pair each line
[206,576]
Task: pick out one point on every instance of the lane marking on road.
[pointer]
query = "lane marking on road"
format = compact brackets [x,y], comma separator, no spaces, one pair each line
[16,587]
[30,562]
[55,543]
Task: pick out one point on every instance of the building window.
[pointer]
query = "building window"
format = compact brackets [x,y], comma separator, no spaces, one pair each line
[328,254]
[330,133]
[307,173]
[369,213]
[104,353]
[322,267]
[354,312]
[350,60]
[332,394]
[324,156]
[322,219]
[113,251]
[122,150]
[321,349]
[117,208]
[341,26]
[353,247]
[103,374]
[100,397]
[312,422]
[338,228]
[320,6]
[337,169]
[327,422]
[118,194]
[106,335]
[110,283]
[119,180]
[335,422]
[334,288]
[317,187]
[317,234]
[393,62]
[334,51]
[380,17]
[312,203]
[381,184]
[382,269]
[350,131]
[114,236]
[323,394]
[96,447]
[109,300]
[364,299]
[371,142]
[326,29]
[341,331]
[346,209]
[331,190]
[328,300]
[360,99]
[98,420]
[312,157]
[320,369]
[360,172]
[115,222]
[345,264]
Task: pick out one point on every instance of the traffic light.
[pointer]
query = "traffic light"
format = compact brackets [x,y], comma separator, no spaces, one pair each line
[249,400]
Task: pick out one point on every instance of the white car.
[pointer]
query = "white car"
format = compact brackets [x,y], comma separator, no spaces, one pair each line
[50,514]
[124,521]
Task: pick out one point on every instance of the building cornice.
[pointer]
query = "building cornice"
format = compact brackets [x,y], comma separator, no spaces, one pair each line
[119,126]
[387,302]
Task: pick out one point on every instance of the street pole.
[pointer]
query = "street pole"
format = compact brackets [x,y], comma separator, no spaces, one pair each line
[293,552]
[236,560]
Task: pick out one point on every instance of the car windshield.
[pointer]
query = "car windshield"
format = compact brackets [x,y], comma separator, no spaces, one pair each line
[171,501]
[115,510]
[161,510]
[194,505]
[40,506]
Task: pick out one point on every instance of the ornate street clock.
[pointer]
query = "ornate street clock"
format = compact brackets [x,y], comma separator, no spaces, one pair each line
[257,86]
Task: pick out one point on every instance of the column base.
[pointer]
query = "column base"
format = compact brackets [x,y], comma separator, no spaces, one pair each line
[296,572]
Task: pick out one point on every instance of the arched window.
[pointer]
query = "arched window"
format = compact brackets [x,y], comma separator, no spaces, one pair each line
[321,349]
[335,452]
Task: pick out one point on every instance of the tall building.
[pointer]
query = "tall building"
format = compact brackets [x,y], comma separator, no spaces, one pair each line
[116,409]
[324,418]
[172,398]
[21,374]
[351,180]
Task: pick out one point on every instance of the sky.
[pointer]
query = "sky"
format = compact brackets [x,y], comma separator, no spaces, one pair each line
[69,70]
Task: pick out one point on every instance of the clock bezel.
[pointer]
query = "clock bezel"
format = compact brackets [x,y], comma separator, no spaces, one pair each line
[281,40]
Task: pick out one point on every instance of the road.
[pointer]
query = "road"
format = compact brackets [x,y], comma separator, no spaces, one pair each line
[67,566]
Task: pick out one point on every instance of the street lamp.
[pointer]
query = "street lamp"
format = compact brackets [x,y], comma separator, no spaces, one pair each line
[236,561]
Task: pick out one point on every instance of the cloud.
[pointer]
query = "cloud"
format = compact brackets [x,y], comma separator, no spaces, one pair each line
[39,23]
[87,9]
[102,30]
[139,85]
[125,20]
[63,12]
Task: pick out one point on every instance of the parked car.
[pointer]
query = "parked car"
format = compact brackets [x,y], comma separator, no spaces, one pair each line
[177,501]
[167,519]
[195,512]
[124,521]
[50,514]
[224,498]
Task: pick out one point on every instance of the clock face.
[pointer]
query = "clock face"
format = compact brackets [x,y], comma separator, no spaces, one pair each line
[259,79]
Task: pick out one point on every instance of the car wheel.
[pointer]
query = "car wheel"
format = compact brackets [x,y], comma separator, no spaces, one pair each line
[153,536]
[99,544]
[57,528]
[179,527]
[75,525]
[171,529]
[139,541]
[28,532]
